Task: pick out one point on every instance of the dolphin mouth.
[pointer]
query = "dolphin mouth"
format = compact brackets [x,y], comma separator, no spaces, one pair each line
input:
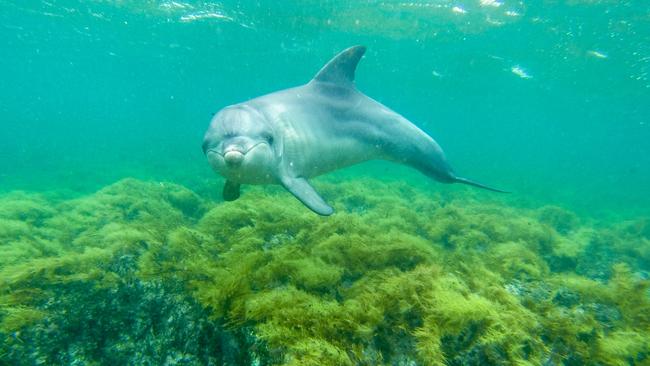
[241,151]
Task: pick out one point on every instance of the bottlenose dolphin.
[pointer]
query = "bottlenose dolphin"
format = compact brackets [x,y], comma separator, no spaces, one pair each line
[294,134]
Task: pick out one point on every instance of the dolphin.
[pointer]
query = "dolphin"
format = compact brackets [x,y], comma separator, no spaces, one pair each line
[291,135]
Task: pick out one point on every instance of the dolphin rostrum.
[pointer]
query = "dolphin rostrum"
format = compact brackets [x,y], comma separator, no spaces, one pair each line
[291,135]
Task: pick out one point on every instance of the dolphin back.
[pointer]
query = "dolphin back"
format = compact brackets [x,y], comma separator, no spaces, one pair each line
[340,70]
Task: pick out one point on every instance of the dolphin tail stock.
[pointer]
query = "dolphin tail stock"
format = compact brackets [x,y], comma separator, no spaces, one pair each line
[476,184]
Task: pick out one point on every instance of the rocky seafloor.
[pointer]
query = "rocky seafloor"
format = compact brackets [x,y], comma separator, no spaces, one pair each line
[148,273]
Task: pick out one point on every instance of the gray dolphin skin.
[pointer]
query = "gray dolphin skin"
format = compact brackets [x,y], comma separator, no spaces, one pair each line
[294,134]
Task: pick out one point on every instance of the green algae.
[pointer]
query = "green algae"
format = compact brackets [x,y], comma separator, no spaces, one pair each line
[397,276]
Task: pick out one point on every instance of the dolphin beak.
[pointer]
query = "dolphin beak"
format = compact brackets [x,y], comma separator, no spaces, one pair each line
[233,158]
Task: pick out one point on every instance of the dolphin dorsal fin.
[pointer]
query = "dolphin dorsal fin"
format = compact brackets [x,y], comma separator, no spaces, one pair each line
[340,69]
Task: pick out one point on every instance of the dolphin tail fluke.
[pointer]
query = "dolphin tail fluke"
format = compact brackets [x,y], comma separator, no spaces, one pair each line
[476,184]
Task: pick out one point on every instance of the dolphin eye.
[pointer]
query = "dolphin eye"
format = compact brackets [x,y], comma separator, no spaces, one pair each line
[268,137]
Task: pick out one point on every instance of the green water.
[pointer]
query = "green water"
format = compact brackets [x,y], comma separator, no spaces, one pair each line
[106,199]
[99,90]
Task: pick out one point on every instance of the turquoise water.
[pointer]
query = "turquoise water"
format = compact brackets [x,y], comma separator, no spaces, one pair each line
[550,100]
[116,247]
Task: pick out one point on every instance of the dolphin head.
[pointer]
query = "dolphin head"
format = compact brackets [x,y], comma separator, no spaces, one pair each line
[239,145]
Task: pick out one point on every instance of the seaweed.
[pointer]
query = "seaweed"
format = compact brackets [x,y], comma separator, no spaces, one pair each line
[397,276]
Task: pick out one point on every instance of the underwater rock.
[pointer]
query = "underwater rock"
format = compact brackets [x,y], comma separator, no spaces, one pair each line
[135,323]
[565,297]
[607,315]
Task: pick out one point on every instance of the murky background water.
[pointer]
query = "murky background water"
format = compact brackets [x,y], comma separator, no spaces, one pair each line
[548,99]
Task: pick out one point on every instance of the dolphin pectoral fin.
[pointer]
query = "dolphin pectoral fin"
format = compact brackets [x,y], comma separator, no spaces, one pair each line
[303,191]
[231,190]
[476,184]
